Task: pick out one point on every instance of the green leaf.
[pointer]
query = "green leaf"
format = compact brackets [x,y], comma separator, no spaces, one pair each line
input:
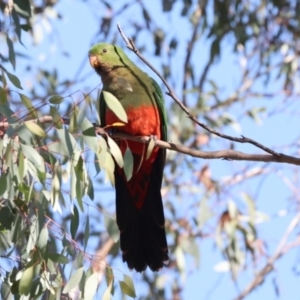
[232,208]
[58,258]
[127,286]
[90,191]
[3,183]
[56,117]
[6,292]
[107,293]
[180,259]
[128,164]
[74,281]
[6,216]
[17,24]
[35,128]
[73,126]
[112,228]
[150,147]
[89,136]
[115,151]
[110,169]
[79,186]
[55,193]
[43,238]
[101,155]
[28,104]
[3,96]
[34,157]
[86,232]
[90,287]
[56,99]
[109,275]
[74,222]
[26,27]
[11,51]
[26,281]
[115,106]
[204,214]
[68,141]
[14,80]
[73,182]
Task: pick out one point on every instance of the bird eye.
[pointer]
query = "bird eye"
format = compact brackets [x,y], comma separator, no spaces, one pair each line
[104,50]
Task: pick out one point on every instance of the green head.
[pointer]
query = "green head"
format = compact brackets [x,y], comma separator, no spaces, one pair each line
[103,57]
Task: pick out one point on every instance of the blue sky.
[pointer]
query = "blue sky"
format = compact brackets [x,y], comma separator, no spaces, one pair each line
[75,33]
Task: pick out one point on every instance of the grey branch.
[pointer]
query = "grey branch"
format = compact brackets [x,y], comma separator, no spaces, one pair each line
[221,154]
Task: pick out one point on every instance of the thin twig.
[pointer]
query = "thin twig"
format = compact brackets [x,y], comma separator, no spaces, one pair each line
[130,45]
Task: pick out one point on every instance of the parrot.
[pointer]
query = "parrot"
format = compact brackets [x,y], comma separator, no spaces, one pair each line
[139,208]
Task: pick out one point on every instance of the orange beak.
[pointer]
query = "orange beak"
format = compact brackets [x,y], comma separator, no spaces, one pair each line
[94,62]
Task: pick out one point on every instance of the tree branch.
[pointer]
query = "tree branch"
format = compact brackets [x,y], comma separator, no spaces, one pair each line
[282,248]
[130,45]
[221,154]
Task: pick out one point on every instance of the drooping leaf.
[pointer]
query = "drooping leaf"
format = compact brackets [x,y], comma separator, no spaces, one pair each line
[115,106]
[35,128]
[128,164]
[74,280]
[107,293]
[11,51]
[112,228]
[127,286]
[56,99]
[109,168]
[26,281]
[150,147]
[14,80]
[90,287]
[28,104]
[3,183]
[43,238]
[115,151]
[33,156]
[6,217]
[86,232]
[68,141]
[58,258]
[74,222]
[17,24]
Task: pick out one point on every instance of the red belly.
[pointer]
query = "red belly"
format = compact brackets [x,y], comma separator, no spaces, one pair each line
[142,121]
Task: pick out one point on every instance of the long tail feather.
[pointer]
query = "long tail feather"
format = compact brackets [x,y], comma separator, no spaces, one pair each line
[142,232]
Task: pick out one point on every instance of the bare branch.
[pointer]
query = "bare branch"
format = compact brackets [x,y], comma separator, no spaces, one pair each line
[282,248]
[130,45]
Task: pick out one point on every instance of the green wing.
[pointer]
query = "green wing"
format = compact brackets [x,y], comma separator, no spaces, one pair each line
[160,102]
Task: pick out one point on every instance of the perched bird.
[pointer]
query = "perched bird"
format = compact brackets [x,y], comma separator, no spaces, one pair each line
[139,209]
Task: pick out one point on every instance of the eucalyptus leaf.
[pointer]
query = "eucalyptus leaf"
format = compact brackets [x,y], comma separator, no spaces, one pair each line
[115,151]
[74,280]
[90,287]
[35,128]
[26,281]
[115,106]
[128,163]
